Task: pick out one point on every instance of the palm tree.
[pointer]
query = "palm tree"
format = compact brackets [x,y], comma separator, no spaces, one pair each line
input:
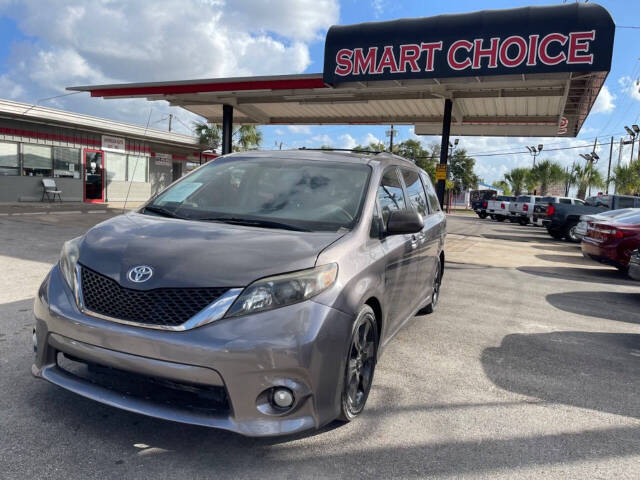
[530,181]
[517,178]
[587,176]
[504,186]
[547,173]
[244,137]
[627,178]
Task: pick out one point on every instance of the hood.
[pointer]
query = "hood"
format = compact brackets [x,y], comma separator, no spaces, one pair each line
[186,253]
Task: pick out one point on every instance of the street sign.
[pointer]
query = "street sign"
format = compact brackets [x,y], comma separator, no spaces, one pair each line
[441,171]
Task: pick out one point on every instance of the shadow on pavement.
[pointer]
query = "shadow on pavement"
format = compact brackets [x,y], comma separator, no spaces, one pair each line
[598,371]
[596,275]
[513,238]
[622,307]
[567,248]
[574,259]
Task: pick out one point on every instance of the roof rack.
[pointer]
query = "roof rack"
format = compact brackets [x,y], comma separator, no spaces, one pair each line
[352,150]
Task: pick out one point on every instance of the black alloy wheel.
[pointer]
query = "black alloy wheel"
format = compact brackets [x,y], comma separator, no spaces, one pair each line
[482,215]
[435,293]
[570,232]
[360,364]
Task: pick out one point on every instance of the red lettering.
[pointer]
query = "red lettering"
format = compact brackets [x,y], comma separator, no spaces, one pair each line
[533,49]
[491,52]
[578,43]
[504,51]
[388,60]
[362,64]
[544,45]
[451,54]
[343,62]
[431,49]
[409,54]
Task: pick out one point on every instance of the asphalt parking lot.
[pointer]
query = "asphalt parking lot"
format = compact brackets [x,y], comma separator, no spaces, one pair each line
[530,367]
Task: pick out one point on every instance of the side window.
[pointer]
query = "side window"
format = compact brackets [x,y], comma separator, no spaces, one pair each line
[377,226]
[578,201]
[415,191]
[434,204]
[625,202]
[390,194]
[565,200]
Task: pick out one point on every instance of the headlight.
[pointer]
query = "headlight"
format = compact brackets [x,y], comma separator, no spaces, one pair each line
[68,260]
[282,290]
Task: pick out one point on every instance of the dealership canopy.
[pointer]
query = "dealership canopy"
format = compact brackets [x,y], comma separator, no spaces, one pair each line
[532,71]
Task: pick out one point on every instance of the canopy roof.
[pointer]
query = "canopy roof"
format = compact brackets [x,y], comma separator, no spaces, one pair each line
[533,71]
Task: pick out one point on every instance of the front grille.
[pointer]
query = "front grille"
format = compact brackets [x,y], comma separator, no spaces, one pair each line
[161,306]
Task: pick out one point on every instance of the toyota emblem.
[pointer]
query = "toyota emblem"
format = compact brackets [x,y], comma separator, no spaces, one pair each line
[140,274]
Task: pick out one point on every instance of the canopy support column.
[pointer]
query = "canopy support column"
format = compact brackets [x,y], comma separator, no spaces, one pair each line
[227,128]
[444,146]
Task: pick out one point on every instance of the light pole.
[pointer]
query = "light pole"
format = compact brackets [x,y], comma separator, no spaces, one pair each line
[391,133]
[535,152]
[591,158]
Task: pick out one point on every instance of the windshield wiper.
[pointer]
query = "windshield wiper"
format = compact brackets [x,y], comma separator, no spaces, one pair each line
[161,211]
[254,223]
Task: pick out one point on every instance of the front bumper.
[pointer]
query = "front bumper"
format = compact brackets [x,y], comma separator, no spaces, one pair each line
[301,347]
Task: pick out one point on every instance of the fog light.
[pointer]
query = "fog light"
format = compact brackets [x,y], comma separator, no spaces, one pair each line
[35,341]
[282,397]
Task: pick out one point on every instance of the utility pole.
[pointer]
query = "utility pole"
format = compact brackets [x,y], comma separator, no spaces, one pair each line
[390,133]
[609,168]
[170,118]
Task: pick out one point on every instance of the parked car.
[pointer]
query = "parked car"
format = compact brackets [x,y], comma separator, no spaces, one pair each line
[540,208]
[634,265]
[521,209]
[581,229]
[498,207]
[563,219]
[261,289]
[611,242]
[478,200]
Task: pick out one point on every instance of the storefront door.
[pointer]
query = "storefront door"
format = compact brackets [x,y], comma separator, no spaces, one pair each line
[93,166]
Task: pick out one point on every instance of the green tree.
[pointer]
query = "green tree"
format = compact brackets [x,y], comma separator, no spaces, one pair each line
[530,182]
[627,178]
[425,158]
[372,147]
[244,137]
[504,186]
[587,176]
[517,180]
[461,171]
[546,174]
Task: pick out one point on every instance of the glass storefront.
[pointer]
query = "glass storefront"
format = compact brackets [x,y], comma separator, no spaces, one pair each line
[9,160]
[66,162]
[36,160]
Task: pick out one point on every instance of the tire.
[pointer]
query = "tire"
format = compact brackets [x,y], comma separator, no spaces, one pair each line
[570,232]
[555,234]
[482,215]
[523,221]
[435,292]
[493,217]
[501,218]
[360,364]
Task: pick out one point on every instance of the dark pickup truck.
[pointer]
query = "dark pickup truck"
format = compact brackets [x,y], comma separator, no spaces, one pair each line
[478,199]
[562,219]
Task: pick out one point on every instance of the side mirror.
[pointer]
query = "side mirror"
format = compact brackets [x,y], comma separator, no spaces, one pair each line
[403,222]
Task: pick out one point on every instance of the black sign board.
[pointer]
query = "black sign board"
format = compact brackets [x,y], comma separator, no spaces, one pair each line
[576,37]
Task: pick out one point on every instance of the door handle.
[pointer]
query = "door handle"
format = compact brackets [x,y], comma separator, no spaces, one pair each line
[414,242]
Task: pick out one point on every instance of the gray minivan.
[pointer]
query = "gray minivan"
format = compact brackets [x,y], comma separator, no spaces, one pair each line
[255,294]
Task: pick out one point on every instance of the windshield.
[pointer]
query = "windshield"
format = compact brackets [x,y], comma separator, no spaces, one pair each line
[288,193]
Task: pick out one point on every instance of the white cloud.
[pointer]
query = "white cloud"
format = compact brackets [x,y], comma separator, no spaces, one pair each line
[370,138]
[73,42]
[604,102]
[347,141]
[630,87]
[323,139]
[278,131]
[300,129]
[378,7]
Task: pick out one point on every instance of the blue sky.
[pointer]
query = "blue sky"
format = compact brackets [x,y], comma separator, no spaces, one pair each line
[46,46]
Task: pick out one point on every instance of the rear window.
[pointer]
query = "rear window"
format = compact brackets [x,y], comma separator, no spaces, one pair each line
[546,200]
[565,200]
[524,198]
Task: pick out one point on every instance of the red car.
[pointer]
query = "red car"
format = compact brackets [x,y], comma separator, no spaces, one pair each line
[612,242]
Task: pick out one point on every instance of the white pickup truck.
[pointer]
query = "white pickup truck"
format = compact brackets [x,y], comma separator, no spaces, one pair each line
[498,207]
[522,208]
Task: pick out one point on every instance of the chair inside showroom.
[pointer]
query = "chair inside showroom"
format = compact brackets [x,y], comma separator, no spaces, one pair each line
[50,189]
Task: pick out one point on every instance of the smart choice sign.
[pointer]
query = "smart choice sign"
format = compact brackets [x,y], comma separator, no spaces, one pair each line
[522,40]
